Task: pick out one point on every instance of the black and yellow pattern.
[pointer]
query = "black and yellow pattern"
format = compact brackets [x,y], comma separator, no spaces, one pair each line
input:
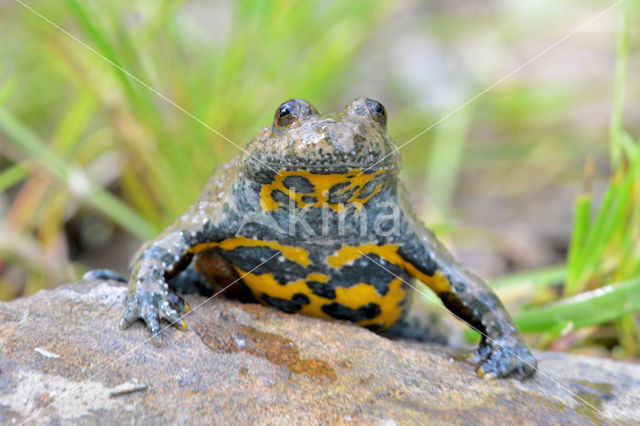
[346,285]
[326,190]
[296,216]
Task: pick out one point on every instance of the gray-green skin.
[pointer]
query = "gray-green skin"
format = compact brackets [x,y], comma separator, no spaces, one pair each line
[302,139]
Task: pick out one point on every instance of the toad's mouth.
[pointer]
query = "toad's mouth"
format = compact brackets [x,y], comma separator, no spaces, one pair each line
[259,163]
[324,164]
[337,168]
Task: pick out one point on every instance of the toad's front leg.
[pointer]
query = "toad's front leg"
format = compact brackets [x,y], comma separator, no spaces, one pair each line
[209,220]
[148,286]
[502,351]
[157,263]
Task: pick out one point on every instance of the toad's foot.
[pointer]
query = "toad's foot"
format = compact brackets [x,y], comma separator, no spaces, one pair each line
[498,359]
[153,306]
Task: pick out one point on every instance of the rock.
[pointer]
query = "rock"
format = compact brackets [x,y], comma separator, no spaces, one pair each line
[63,359]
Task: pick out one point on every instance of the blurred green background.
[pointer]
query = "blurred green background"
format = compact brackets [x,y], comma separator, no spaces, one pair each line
[107,111]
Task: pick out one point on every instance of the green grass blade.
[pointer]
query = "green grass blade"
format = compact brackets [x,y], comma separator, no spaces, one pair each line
[584,264]
[581,223]
[628,146]
[99,41]
[590,308]
[102,45]
[630,243]
[539,278]
[74,178]
[616,219]
[12,175]
[73,123]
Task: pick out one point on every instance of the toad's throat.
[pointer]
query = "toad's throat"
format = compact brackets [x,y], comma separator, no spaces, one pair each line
[302,189]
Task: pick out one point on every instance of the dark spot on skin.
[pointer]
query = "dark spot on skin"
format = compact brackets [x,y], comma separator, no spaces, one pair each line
[264,177]
[339,311]
[337,196]
[294,305]
[338,186]
[344,197]
[159,253]
[322,289]
[368,189]
[253,259]
[309,199]
[419,256]
[299,184]
[164,257]
[490,300]
[256,188]
[365,270]
[241,199]
[279,196]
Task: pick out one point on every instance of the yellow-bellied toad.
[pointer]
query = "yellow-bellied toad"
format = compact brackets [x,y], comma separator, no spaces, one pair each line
[312,218]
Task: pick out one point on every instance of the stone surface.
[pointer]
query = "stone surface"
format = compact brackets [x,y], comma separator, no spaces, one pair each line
[62,355]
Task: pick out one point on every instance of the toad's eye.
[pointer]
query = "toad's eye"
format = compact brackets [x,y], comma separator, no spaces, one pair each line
[377,111]
[287,113]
